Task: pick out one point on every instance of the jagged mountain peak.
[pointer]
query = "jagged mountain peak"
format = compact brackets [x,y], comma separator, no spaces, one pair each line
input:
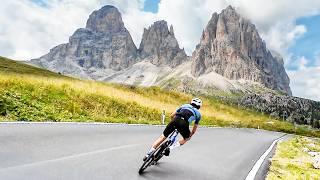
[232,47]
[106,19]
[229,9]
[102,48]
[160,45]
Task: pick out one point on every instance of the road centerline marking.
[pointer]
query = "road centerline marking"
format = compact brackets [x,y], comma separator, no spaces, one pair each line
[70,157]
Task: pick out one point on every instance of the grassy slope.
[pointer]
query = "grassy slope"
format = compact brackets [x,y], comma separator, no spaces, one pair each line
[32,94]
[290,162]
[8,66]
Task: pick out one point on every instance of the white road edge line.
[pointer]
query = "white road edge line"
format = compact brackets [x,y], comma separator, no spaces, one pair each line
[76,123]
[115,124]
[70,157]
[253,172]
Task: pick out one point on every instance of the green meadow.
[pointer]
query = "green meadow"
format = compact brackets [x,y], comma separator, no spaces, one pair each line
[28,93]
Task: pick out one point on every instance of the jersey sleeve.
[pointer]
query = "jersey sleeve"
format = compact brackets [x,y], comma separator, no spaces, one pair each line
[191,119]
[198,118]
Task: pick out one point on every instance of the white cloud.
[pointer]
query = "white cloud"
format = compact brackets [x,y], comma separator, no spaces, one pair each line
[298,62]
[135,20]
[28,30]
[306,82]
[281,36]
[275,20]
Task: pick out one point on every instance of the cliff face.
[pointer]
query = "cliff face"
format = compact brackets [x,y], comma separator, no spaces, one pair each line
[231,46]
[105,44]
[160,46]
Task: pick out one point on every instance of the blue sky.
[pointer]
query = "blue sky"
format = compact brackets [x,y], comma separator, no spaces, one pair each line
[308,45]
[40,2]
[291,32]
[151,6]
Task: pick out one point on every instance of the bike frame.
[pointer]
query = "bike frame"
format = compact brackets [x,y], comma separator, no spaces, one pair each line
[173,137]
[157,155]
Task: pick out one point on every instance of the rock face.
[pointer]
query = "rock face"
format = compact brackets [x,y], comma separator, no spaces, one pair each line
[104,45]
[293,109]
[231,46]
[230,50]
[160,46]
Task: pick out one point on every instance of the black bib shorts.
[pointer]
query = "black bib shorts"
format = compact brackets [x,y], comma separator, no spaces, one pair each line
[180,124]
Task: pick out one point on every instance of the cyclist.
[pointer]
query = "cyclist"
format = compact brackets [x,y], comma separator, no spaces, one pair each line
[180,120]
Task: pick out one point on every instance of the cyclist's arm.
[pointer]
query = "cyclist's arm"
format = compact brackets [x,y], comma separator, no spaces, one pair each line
[194,129]
[196,124]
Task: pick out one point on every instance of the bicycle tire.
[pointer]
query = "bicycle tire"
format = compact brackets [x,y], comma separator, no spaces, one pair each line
[149,160]
[155,157]
[145,164]
[159,154]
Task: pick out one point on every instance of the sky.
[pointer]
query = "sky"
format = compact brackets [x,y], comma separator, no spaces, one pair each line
[30,28]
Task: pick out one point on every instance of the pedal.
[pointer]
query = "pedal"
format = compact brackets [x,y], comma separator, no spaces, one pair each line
[145,158]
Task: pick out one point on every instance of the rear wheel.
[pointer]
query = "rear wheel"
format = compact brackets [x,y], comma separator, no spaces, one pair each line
[159,154]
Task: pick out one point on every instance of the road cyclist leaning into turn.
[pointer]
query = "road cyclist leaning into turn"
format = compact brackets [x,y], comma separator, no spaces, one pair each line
[180,120]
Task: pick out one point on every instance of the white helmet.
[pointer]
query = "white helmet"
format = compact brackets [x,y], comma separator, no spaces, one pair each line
[197,102]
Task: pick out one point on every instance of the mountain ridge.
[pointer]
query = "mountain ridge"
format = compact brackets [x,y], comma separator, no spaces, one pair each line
[104,51]
[231,46]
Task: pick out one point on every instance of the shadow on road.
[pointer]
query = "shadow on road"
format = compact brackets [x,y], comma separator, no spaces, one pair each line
[167,170]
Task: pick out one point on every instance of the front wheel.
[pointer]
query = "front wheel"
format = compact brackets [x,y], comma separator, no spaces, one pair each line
[154,158]
[146,163]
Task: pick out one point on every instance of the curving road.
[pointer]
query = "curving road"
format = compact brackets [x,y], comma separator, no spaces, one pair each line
[91,151]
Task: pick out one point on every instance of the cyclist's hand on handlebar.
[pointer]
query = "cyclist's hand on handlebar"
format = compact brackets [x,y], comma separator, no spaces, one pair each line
[191,134]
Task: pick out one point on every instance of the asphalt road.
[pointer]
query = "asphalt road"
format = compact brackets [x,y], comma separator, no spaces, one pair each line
[83,151]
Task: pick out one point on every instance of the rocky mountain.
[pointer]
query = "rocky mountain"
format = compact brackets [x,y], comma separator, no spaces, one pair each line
[102,48]
[230,57]
[160,46]
[231,46]
[292,109]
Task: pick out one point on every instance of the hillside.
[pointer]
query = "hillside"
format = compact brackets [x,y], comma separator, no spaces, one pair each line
[32,94]
[8,66]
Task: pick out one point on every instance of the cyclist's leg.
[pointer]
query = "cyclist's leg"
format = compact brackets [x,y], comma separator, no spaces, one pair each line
[183,128]
[168,130]
[158,141]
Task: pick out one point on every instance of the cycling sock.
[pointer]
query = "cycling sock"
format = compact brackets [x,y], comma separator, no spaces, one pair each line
[151,150]
[175,145]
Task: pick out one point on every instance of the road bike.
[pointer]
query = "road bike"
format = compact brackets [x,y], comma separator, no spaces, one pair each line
[159,152]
